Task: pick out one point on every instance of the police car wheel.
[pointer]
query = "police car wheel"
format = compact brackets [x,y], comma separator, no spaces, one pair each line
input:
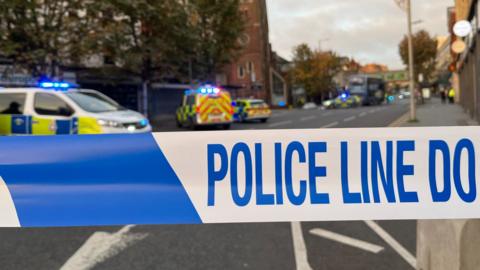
[264,120]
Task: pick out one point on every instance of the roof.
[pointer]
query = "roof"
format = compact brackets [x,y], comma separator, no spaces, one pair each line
[38,89]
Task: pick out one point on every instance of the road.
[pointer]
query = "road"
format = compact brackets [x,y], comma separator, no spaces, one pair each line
[318,245]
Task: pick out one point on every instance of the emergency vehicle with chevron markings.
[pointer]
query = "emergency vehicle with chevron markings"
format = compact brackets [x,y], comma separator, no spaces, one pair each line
[206,106]
[55,108]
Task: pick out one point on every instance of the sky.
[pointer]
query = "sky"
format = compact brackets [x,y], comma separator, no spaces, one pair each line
[367,30]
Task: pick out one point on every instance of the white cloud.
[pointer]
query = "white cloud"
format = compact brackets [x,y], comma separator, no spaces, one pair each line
[368,30]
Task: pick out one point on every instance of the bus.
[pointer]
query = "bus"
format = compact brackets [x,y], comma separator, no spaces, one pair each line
[371,89]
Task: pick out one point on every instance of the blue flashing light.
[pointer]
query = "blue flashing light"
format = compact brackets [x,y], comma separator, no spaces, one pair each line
[209,90]
[344,96]
[282,104]
[55,85]
[144,122]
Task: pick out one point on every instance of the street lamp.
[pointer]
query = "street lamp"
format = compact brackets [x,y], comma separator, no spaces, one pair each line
[406,5]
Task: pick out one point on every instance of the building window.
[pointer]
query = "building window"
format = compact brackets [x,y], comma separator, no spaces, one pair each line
[241,72]
[244,39]
[250,67]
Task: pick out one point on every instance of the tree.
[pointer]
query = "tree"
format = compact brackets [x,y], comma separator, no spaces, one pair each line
[314,70]
[43,36]
[155,40]
[217,26]
[425,51]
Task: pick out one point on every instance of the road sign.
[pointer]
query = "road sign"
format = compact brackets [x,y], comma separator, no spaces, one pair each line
[241,176]
[462,28]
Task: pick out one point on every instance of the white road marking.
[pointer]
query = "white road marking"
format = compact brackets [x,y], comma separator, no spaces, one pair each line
[349,119]
[403,252]
[307,118]
[284,123]
[301,258]
[349,241]
[327,114]
[330,125]
[100,247]
[372,111]
[363,114]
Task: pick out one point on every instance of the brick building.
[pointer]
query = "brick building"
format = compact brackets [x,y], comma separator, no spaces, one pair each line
[250,75]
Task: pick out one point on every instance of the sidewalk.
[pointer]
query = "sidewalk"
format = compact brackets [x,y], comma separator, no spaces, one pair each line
[434,113]
[445,244]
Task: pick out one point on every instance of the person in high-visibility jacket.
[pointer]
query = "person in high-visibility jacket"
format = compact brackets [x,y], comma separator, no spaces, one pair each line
[57,110]
[451,95]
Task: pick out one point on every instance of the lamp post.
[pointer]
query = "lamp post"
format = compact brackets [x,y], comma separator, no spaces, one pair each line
[406,5]
[413,109]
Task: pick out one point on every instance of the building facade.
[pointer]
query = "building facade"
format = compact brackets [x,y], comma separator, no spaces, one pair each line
[249,75]
[467,63]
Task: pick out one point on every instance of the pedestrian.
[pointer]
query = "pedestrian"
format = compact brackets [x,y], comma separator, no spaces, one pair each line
[451,95]
[443,95]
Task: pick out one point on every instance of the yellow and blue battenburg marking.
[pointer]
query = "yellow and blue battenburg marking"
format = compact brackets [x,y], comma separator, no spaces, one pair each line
[27,125]
[240,176]
[15,124]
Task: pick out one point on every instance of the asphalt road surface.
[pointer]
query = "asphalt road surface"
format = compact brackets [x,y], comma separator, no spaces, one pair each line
[306,245]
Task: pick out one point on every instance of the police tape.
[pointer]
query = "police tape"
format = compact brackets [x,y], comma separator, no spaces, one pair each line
[240,176]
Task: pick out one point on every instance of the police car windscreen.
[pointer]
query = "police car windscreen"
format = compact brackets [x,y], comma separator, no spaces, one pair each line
[94,102]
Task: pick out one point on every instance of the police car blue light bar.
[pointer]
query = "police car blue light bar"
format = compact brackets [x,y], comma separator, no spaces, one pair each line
[240,176]
[55,85]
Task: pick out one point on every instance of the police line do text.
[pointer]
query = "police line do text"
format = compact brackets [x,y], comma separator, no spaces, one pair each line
[377,173]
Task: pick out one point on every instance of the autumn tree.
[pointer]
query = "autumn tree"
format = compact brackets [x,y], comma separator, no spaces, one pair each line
[314,70]
[216,28]
[425,51]
[43,36]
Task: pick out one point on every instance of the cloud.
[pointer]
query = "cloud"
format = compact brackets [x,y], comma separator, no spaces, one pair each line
[368,30]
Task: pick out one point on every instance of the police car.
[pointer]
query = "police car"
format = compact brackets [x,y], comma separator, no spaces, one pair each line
[343,101]
[251,109]
[206,106]
[56,108]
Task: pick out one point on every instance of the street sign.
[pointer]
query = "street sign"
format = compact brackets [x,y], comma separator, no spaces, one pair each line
[462,28]
[240,176]
[459,46]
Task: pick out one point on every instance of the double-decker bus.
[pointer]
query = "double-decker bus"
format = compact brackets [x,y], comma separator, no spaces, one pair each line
[370,88]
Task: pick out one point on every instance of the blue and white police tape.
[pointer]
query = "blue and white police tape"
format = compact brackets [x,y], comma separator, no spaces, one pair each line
[241,176]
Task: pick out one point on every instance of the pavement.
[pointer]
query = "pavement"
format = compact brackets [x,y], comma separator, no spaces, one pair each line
[306,245]
[446,244]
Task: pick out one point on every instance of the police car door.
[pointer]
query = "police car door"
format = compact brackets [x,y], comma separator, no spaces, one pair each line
[51,115]
[12,118]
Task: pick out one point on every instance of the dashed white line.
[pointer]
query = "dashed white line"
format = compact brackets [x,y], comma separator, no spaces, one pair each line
[307,118]
[363,114]
[349,119]
[300,250]
[372,111]
[100,247]
[284,123]
[327,114]
[349,241]
[330,125]
[403,252]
